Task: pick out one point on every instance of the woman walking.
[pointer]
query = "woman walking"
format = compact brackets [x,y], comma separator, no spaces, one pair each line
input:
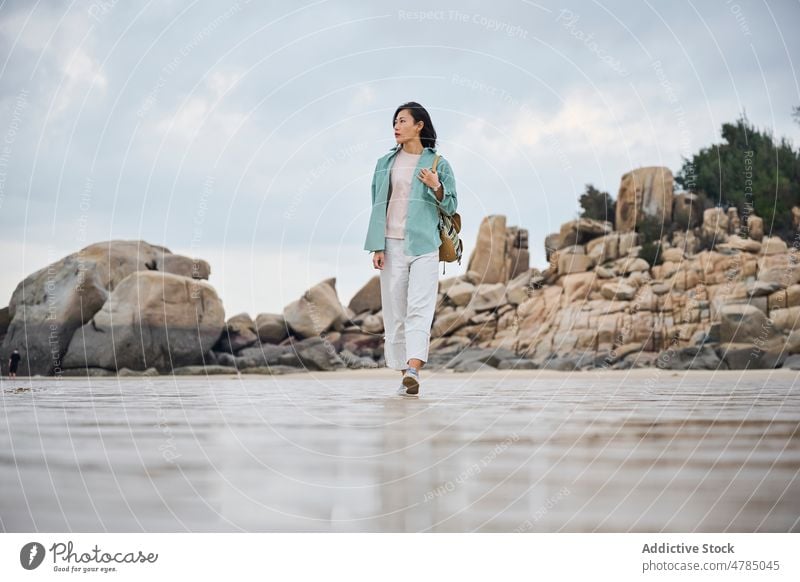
[403,236]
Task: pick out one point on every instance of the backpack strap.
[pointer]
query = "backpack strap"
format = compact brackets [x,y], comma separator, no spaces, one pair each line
[435,162]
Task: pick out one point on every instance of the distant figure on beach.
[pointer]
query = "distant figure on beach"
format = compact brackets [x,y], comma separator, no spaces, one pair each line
[403,235]
[13,363]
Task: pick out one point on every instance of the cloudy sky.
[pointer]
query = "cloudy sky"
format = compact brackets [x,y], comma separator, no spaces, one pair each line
[245,133]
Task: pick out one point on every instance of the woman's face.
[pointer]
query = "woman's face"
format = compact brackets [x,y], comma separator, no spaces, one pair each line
[405,129]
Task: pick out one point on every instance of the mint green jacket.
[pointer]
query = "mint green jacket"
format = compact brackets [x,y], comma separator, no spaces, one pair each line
[422,221]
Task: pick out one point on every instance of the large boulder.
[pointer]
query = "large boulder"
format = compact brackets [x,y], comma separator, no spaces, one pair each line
[702,357]
[744,356]
[489,259]
[628,265]
[715,225]
[611,246]
[373,323]
[265,355]
[489,296]
[368,298]
[49,305]
[461,293]
[573,259]
[783,269]
[518,257]
[786,320]
[360,343]
[447,323]
[317,311]
[783,298]
[151,319]
[737,243]
[271,328]
[755,227]
[316,353]
[618,291]
[582,230]
[644,192]
[773,245]
[744,323]
[239,333]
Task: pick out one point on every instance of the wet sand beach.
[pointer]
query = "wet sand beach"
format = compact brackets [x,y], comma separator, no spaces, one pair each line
[541,451]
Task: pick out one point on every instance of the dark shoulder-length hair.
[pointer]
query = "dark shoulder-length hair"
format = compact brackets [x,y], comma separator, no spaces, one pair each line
[428,134]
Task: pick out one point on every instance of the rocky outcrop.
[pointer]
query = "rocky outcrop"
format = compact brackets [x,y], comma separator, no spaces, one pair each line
[49,306]
[501,253]
[720,295]
[644,192]
[150,319]
[488,259]
[600,305]
[316,311]
[581,231]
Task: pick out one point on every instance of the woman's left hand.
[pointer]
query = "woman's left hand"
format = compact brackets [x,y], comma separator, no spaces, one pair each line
[429,178]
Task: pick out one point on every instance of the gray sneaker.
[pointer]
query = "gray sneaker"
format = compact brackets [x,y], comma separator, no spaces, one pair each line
[411,383]
[402,392]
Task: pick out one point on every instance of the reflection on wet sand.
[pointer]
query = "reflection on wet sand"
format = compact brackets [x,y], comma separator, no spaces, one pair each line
[338,452]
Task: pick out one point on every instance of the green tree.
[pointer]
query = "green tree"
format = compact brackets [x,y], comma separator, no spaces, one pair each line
[750,171]
[597,205]
[651,229]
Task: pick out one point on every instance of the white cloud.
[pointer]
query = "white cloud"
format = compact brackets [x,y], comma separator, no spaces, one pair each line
[204,112]
[80,73]
[62,40]
[586,126]
[220,82]
[33,35]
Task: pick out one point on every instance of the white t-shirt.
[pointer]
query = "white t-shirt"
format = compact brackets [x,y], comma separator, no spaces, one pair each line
[401,175]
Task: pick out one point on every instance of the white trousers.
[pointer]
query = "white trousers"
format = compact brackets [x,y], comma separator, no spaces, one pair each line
[409,287]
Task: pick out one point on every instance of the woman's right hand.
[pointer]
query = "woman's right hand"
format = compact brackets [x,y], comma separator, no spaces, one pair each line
[378,260]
